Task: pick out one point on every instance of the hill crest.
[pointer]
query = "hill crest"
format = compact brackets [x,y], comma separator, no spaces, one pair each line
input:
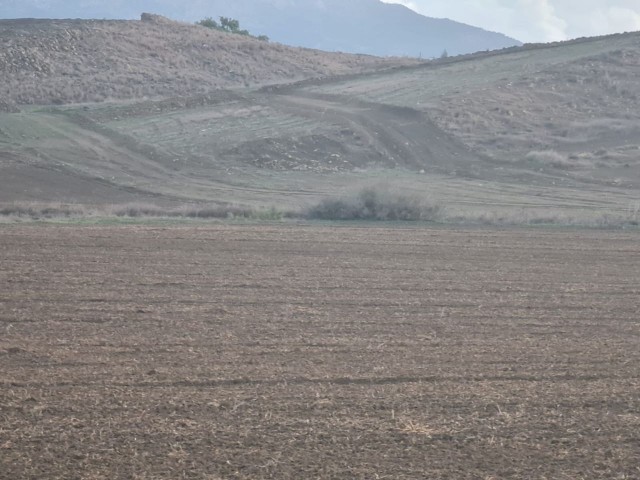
[74,61]
[356,26]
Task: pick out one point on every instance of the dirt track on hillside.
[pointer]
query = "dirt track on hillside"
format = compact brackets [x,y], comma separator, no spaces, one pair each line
[318,352]
[385,135]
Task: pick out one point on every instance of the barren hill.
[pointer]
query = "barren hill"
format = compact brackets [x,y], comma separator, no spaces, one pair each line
[544,130]
[70,61]
[558,112]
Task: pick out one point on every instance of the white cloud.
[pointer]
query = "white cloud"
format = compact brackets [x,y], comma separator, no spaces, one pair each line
[537,20]
[599,17]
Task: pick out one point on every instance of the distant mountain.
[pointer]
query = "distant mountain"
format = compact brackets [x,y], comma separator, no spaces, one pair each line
[356,26]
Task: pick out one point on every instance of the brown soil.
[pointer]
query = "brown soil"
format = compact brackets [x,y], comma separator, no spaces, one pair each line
[318,352]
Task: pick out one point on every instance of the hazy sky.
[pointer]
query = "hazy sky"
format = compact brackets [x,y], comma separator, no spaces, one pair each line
[537,20]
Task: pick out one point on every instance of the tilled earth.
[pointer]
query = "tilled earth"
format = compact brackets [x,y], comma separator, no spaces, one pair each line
[248,352]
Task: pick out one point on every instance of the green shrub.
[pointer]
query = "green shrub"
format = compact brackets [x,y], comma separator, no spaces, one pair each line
[229,25]
[375,204]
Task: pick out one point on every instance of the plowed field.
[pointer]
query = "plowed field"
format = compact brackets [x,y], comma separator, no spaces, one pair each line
[251,352]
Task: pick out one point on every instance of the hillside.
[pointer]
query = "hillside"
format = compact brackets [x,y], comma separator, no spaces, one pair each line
[356,26]
[70,61]
[569,110]
[546,131]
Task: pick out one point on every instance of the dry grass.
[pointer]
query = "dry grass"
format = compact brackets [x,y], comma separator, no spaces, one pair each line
[44,211]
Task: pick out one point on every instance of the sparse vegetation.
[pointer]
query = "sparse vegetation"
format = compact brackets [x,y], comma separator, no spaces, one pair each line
[541,218]
[370,204]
